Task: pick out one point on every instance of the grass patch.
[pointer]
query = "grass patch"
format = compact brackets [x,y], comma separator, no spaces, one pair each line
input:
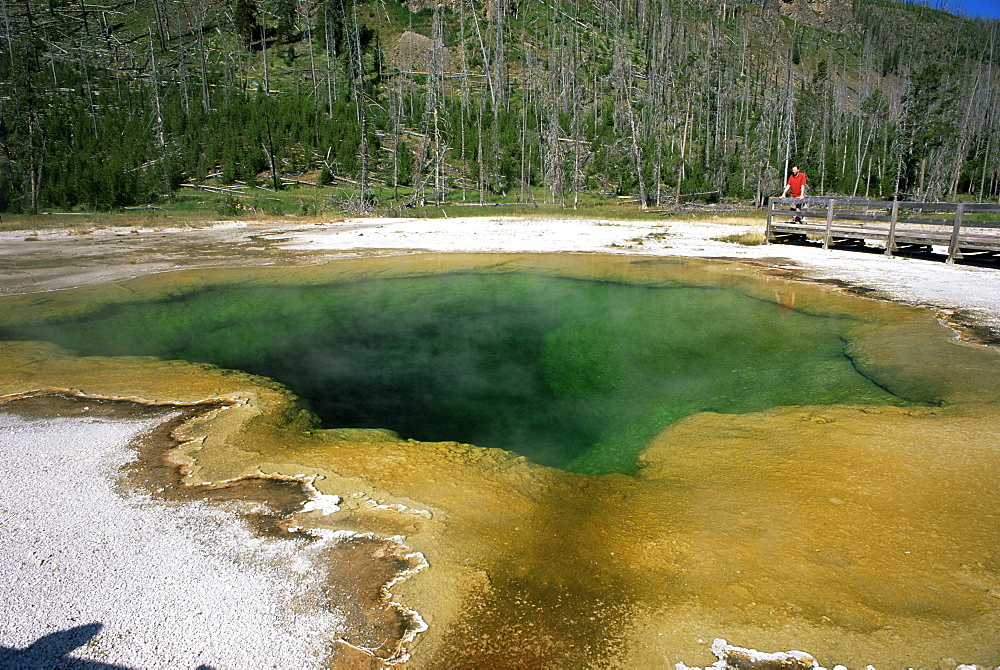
[658,236]
[536,204]
[746,239]
[191,207]
[613,210]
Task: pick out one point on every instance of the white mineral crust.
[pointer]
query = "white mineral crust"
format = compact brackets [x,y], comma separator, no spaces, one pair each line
[163,584]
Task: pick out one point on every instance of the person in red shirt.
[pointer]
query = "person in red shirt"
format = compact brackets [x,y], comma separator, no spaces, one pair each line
[796,183]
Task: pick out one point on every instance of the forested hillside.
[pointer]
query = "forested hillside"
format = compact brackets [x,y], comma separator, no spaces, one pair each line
[111,104]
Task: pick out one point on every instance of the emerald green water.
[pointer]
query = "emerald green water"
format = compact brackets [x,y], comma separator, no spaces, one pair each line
[573,374]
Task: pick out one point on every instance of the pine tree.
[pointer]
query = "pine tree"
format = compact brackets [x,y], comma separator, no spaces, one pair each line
[245,22]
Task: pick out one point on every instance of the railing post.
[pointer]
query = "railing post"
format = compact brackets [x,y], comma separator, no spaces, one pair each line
[890,243]
[770,216]
[829,223]
[953,251]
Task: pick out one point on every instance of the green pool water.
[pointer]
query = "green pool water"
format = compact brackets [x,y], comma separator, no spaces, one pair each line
[572,374]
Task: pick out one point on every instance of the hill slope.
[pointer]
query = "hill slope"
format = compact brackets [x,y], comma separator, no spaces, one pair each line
[663,100]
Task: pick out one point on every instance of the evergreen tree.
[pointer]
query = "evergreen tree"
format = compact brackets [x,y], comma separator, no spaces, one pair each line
[655,100]
[246,22]
[929,129]
[286,19]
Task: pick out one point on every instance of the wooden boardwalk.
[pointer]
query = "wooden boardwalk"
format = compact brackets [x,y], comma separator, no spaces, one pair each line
[962,228]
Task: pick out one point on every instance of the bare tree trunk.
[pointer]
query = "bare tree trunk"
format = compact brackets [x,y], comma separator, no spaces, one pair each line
[923,174]
[360,99]
[6,26]
[206,93]
[34,167]
[307,18]
[868,181]
[161,138]
[269,150]
[680,166]
[263,52]
[637,154]
[789,117]
[986,163]
[862,152]
[624,80]
[162,29]
[553,157]
[487,67]
[479,152]
[182,71]
[90,97]
[395,114]
[990,115]
[961,152]
[435,101]
[499,69]
[329,68]
[657,170]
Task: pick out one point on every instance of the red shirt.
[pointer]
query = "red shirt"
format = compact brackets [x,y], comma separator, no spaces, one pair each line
[797,181]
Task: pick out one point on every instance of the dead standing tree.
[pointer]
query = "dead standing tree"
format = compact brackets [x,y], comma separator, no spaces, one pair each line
[624,82]
[435,98]
[360,97]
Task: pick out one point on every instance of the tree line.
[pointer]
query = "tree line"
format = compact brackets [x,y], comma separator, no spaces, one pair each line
[104,106]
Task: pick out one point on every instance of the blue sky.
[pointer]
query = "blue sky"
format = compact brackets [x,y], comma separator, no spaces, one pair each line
[987,9]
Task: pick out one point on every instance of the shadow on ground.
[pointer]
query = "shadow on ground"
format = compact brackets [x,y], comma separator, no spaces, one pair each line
[978,259]
[52,652]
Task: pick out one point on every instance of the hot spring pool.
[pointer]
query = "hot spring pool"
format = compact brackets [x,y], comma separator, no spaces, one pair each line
[606,461]
[572,373]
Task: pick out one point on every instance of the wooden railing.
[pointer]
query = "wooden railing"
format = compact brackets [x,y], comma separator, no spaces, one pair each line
[900,226]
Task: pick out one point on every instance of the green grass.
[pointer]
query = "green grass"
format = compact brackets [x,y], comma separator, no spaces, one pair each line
[746,239]
[591,210]
[195,207]
[923,11]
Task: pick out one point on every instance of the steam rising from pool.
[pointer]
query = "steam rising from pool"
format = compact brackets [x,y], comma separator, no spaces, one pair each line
[573,374]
